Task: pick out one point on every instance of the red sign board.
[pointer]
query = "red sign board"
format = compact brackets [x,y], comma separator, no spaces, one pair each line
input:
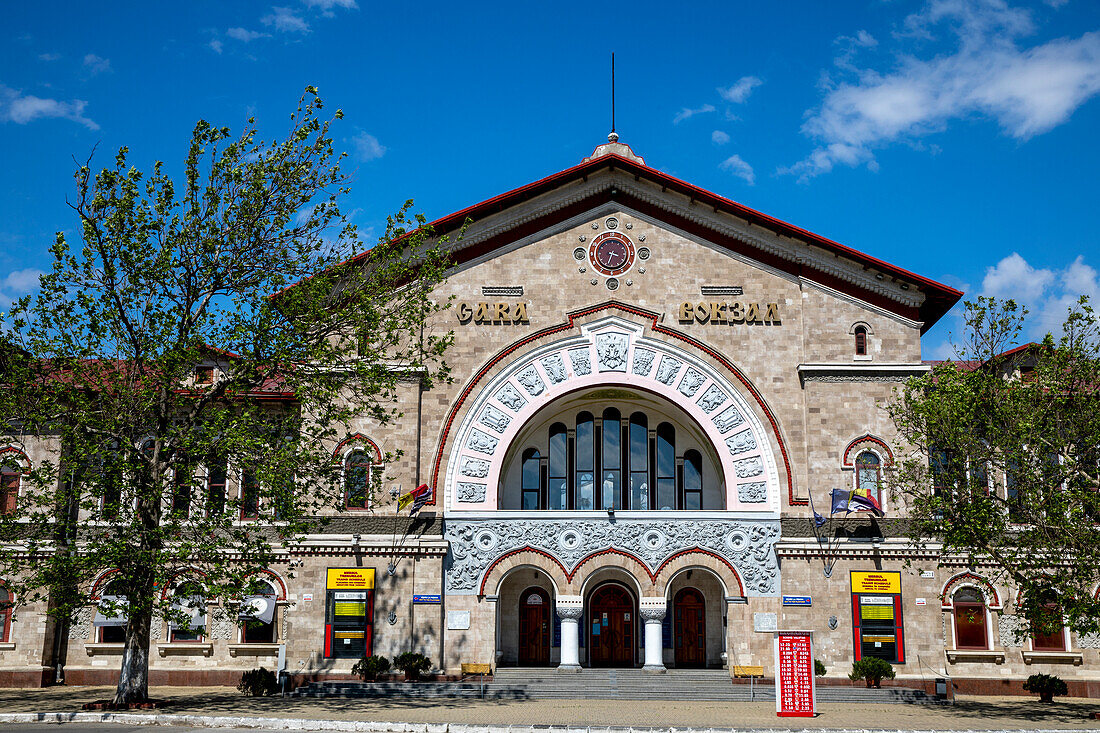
[794,674]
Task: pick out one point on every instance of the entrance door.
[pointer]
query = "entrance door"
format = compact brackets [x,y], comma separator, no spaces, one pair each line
[534,628]
[689,628]
[611,620]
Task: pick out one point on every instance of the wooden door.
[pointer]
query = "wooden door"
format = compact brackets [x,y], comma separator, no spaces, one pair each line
[534,628]
[689,629]
[611,623]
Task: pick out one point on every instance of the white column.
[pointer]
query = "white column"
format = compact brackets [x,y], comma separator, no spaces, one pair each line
[569,610]
[652,611]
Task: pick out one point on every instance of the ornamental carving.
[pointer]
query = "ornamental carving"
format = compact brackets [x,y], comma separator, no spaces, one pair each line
[471,492]
[753,493]
[749,467]
[474,467]
[711,399]
[1088,641]
[482,442]
[728,419]
[666,373]
[555,368]
[611,351]
[691,382]
[81,626]
[643,362]
[223,626]
[531,381]
[569,613]
[510,397]
[493,418]
[749,546]
[741,442]
[1012,629]
[582,362]
[652,613]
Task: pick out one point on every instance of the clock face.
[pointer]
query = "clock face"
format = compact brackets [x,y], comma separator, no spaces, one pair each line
[611,253]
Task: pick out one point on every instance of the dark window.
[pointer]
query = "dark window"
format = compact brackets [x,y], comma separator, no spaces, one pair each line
[256,630]
[585,453]
[215,485]
[204,375]
[639,461]
[693,481]
[1013,496]
[666,467]
[111,625]
[532,485]
[10,477]
[357,480]
[250,494]
[111,479]
[970,632]
[181,496]
[1049,641]
[868,474]
[189,601]
[559,467]
[5,614]
[612,482]
[861,341]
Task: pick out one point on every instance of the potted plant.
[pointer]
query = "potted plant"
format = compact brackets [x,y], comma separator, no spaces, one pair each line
[412,664]
[368,668]
[873,670]
[1047,686]
[258,682]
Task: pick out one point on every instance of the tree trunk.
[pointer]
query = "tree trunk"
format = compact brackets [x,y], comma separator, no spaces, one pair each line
[133,678]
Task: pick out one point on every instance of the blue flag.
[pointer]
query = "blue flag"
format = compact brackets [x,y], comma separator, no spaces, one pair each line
[818,520]
[840,501]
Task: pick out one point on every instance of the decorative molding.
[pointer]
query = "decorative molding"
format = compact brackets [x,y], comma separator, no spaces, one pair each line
[361,441]
[861,442]
[971,580]
[752,493]
[864,372]
[471,492]
[1012,631]
[720,291]
[747,546]
[502,291]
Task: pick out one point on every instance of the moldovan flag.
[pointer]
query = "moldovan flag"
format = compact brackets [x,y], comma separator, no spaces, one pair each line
[861,500]
[418,497]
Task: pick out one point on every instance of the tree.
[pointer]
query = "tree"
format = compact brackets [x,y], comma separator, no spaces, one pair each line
[1005,465]
[155,352]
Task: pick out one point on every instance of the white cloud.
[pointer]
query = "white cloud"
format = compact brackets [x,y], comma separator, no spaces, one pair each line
[17,284]
[245,35]
[740,90]
[1047,293]
[21,109]
[1013,277]
[49,56]
[97,64]
[367,147]
[1027,91]
[687,113]
[719,138]
[216,45]
[738,167]
[327,6]
[285,20]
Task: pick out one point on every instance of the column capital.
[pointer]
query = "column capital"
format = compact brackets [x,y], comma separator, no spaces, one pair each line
[652,609]
[569,607]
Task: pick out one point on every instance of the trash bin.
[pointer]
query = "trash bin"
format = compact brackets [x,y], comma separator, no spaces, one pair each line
[941,688]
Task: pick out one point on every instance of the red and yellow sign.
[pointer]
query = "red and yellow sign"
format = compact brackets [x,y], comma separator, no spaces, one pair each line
[351,578]
[863,582]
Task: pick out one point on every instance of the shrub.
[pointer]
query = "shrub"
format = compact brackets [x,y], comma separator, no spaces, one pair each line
[873,670]
[1046,686]
[368,668]
[819,668]
[258,682]
[412,664]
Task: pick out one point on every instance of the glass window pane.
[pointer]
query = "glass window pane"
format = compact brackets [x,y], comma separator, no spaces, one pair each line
[639,442]
[558,467]
[666,493]
[585,451]
[639,491]
[611,489]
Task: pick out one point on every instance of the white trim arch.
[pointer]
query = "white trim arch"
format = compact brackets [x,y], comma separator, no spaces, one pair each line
[611,352]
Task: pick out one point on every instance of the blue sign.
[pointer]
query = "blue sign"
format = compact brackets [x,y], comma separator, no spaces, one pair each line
[435,600]
[797,601]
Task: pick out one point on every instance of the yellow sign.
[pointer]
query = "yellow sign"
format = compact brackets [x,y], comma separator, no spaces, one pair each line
[877,612]
[875,582]
[350,578]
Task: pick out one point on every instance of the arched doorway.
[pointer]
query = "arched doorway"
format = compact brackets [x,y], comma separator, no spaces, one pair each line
[611,627]
[534,628]
[689,628]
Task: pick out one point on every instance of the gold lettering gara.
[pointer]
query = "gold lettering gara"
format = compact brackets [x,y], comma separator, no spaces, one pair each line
[750,314]
[489,313]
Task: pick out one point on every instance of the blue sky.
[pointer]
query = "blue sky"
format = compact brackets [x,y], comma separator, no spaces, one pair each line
[955,138]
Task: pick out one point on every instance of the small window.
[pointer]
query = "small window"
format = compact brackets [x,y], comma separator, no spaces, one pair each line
[869,474]
[204,375]
[216,472]
[111,616]
[970,619]
[861,341]
[6,600]
[585,458]
[693,481]
[357,477]
[1050,641]
[666,468]
[559,467]
[10,478]
[189,605]
[257,614]
[250,494]
[181,496]
[638,455]
[531,481]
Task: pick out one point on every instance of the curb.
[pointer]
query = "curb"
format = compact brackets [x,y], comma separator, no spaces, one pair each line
[306,724]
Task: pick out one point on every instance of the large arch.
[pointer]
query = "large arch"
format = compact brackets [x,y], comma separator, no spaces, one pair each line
[612,352]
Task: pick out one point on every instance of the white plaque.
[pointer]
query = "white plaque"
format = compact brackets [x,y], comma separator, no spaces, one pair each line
[765,621]
[928,573]
[458,620]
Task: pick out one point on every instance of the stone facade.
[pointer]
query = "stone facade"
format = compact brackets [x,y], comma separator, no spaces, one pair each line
[727,329]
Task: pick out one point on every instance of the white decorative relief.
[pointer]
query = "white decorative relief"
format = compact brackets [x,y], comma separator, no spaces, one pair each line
[1088,641]
[747,545]
[474,467]
[741,442]
[748,467]
[531,381]
[493,418]
[1012,630]
[555,368]
[666,373]
[510,397]
[691,382]
[753,493]
[712,399]
[482,443]
[223,627]
[728,419]
[611,351]
[81,626]
[582,362]
[471,492]
[643,362]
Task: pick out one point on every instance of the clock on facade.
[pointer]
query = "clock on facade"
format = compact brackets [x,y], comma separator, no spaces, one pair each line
[611,253]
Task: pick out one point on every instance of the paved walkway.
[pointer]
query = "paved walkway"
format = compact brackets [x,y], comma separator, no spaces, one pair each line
[968,713]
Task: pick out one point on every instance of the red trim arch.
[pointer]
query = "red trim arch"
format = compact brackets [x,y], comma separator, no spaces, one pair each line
[171,584]
[358,438]
[868,438]
[272,576]
[655,327]
[992,598]
[102,580]
[513,553]
[610,551]
[20,456]
[708,553]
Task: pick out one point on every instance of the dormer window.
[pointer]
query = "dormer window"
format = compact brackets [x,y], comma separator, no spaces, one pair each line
[861,340]
[204,375]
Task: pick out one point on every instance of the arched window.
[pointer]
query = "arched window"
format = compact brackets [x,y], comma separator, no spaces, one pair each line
[639,461]
[6,603]
[531,483]
[189,609]
[111,616]
[559,467]
[586,457]
[257,614]
[1053,640]
[869,474]
[357,478]
[10,478]
[970,619]
[861,340]
[693,481]
[666,467]
[611,483]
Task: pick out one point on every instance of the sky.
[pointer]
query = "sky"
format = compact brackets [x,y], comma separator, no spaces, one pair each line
[954,138]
